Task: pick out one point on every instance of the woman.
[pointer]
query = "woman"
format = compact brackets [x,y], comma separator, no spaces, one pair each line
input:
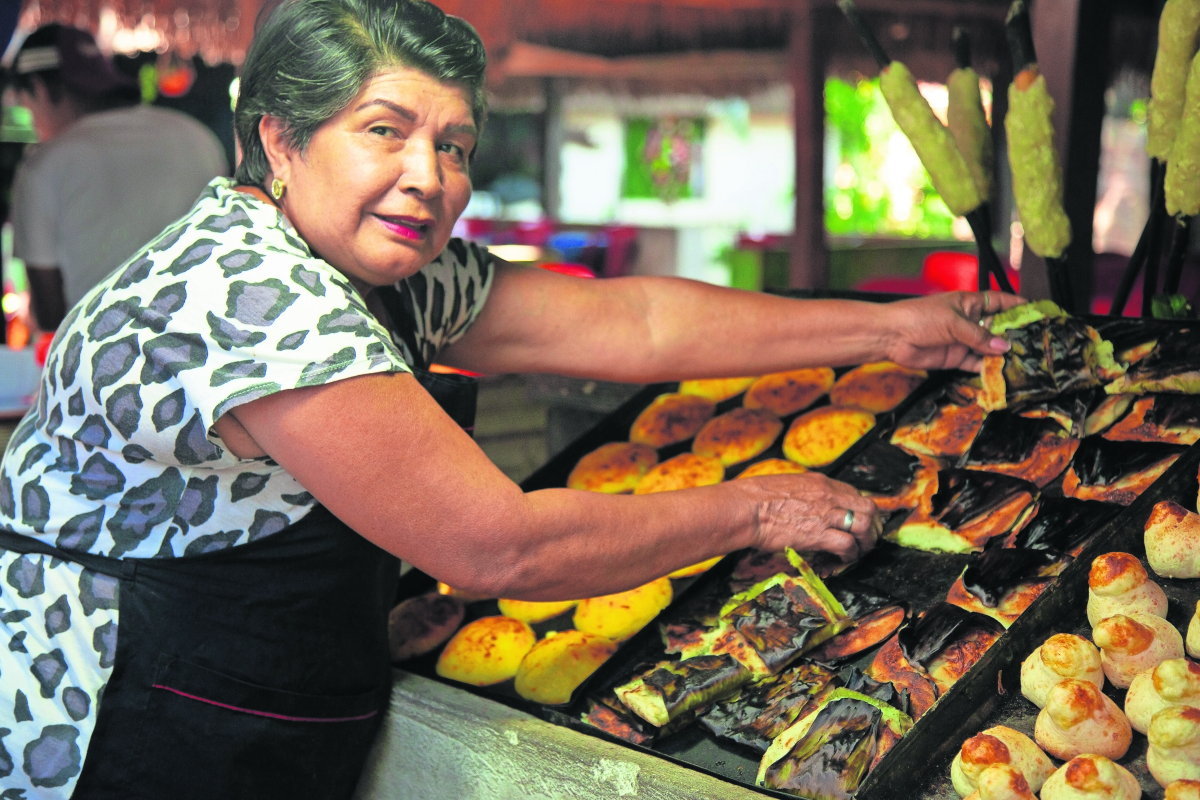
[230,448]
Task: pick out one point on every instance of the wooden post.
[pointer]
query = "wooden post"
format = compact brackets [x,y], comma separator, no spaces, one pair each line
[1072,48]
[552,146]
[806,70]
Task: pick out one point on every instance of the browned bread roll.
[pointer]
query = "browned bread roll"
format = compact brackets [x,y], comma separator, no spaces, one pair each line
[671,418]
[715,389]
[1063,655]
[784,393]
[818,437]
[486,651]
[1173,541]
[999,745]
[613,468]
[1134,643]
[1174,682]
[1091,777]
[684,471]
[1119,584]
[1079,718]
[876,387]
[737,435]
[1174,753]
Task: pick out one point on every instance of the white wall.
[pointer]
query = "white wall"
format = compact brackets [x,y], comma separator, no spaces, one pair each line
[748,171]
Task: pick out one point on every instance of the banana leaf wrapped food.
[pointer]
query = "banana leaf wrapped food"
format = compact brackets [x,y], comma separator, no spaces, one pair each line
[891,477]
[947,168]
[1170,418]
[762,710]
[1051,354]
[828,752]
[968,125]
[1117,472]
[1036,170]
[671,689]
[943,424]
[1037,450]
[1002,583]
[876,616]
[968,508]
[769,625]
[1172,366]
[1178,35]
[1063,524]
[1132,338]
[927,656]
[611,716]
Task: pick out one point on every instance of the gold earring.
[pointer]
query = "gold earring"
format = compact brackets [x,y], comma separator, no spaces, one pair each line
[277,189]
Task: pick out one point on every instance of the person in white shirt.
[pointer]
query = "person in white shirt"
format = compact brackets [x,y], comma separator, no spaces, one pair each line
[108,174]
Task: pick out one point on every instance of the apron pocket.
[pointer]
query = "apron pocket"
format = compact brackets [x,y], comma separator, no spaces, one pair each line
[270,743]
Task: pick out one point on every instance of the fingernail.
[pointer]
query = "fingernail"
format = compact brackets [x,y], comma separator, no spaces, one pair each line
[999,345]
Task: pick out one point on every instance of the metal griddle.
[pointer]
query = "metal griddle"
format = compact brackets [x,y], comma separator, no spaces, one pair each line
[918,767]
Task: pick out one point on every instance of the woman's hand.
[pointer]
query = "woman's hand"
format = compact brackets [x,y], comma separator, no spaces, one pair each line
[942,331]
[807,512]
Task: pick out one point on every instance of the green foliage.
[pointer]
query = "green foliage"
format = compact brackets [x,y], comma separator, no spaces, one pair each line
[663,158]
[878,186]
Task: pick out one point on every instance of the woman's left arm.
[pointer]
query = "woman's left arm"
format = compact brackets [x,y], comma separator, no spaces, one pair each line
[644,329]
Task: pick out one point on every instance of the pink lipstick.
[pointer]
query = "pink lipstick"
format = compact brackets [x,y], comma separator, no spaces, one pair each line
[410,228]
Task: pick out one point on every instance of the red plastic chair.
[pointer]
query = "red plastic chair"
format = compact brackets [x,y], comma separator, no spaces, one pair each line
[959,272]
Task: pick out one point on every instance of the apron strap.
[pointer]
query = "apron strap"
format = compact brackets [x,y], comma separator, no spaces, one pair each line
[113,567]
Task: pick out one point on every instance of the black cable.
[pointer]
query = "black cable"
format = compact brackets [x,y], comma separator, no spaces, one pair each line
[1020,36]
[988,260]
[1138,258]
[864,32]
[1178,254]
[962,47]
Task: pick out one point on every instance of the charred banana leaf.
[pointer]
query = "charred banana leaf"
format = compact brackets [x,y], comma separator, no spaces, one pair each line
[1117,471]
[758,565]
[1052,354]
[1063,523]
[1172,366]
[969,508]
[1132,339]
[868,631]
[1174,411]
[1036,449]
[964,495]
[922,640]
[1002,583]
[674,688]
[995,573]
[1070,410]
[859,599]
[942,425]
[826,754]
[614,719]
[880,469]
[761,711]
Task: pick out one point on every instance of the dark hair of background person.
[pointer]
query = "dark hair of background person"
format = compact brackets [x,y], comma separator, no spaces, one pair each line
[310,58]
[58,88]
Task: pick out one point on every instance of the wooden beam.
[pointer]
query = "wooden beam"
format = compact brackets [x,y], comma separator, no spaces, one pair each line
[806,71]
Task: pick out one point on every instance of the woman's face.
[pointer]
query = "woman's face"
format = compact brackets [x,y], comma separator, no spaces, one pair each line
[378,190]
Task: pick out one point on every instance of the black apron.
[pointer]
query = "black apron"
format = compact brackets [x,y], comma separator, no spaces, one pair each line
[260,671]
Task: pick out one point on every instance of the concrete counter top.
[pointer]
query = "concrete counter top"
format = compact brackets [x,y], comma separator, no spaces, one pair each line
[442,743]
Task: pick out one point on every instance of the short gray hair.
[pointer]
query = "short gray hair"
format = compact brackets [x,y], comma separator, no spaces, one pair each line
[312,57]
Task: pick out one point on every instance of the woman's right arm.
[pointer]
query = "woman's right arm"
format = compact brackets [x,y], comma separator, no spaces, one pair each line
[383,457]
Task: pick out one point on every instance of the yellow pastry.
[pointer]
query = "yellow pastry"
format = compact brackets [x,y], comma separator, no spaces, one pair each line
[1079,718]
[1174,753]
[1174,682]
[1091,777]
[1134,643]
[1173,541]
[1118,584]
[1063,655]
[998,745]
